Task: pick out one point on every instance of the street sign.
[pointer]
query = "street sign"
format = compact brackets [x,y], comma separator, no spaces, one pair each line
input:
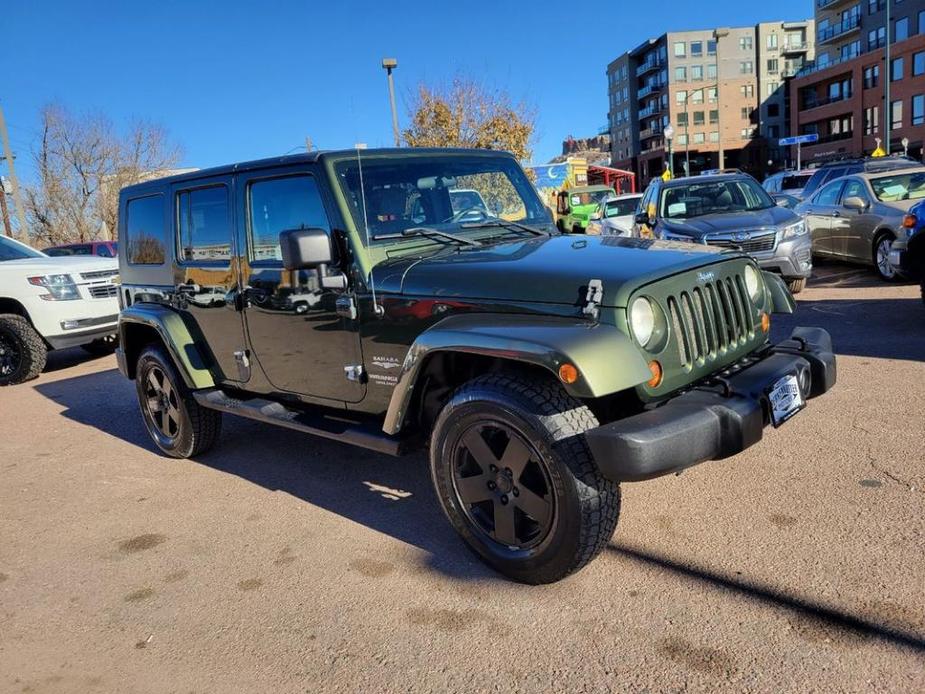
[798,140]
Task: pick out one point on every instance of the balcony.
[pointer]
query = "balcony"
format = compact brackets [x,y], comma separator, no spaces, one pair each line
[648,66]
[650,89]
[834,137]
[649,132]
[652,110]
[825,101]
[843,28]
[826,4]
[795,47]
[812,67]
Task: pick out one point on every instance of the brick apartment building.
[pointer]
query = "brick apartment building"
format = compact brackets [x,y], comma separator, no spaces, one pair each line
[725,86]
[840,96]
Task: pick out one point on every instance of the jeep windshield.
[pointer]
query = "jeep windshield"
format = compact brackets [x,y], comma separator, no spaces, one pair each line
[13,250]
[713,197]
[445,195]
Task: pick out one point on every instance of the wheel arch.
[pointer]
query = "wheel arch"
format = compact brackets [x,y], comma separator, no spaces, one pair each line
[460,347]
[10,305]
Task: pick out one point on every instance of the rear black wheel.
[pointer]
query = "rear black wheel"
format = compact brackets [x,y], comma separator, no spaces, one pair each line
[180,426]
[882,245]
[22,350]
[516,479]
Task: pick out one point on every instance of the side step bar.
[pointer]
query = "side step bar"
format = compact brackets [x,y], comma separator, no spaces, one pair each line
[326,426]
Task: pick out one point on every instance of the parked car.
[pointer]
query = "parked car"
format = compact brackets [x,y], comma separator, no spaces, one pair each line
[857,218]
[730,211]
[554,369]
[847,167]
[787,182]
[52,303]
[103,249]
[785,200]
[614,216]
[576,205]
[908,251]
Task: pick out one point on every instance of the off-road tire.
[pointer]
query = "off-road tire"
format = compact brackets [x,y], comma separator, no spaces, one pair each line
[587,506]
[796,285]
[101,347]
[197,427]
[32,352]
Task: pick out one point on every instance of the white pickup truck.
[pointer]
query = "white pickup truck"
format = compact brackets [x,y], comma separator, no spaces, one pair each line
[52,303]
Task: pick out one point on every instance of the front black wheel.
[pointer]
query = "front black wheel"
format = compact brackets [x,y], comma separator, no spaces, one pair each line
[22,350]
[178,425]
[516,479]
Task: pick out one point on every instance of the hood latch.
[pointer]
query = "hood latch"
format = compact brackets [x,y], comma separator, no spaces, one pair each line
[593,299]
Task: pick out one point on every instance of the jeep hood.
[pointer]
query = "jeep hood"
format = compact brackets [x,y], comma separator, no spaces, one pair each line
[552,269]
[696,227]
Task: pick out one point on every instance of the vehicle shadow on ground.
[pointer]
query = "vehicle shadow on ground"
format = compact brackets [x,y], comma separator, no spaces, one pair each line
[66,358]
[821,622]
[390,495]
[882,328]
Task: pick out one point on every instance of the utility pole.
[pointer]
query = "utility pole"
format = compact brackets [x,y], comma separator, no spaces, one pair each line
[8,230]
[390,64]
[888,114]
[717,35]
[17,195]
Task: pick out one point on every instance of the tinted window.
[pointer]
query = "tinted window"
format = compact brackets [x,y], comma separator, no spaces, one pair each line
[829,194]
[82,249]
[204,225]
[836,172]
[11,250]
[621,208]
[854,189]
[713,197]
[105,251]
[794,181]
[282,204]
[144,227]
[814,182]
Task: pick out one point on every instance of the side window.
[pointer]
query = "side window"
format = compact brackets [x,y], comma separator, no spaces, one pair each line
[837,172]
[104,252]
[829,194]
[144,228]
[280,204]
[204,225]
[854,188]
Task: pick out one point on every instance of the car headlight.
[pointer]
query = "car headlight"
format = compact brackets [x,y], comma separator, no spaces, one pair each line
[60,287]
[794,230]
[752,282]
[642,320]
[668,236]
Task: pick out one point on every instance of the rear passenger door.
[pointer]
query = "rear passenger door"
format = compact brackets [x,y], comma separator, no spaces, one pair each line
[820,214]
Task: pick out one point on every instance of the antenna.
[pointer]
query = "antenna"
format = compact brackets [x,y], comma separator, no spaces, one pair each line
[377,309]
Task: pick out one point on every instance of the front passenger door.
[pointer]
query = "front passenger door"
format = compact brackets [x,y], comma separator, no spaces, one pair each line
[852,231]
[819,217]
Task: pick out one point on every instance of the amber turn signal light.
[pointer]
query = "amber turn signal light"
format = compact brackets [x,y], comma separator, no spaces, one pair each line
[656,370]
[568,373]
[909,221]
[765,322]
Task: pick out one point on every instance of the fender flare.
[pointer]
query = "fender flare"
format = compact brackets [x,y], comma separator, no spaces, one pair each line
[607,359]
[175,335]
[782,300]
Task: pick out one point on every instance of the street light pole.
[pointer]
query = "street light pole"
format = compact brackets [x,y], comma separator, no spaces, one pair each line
[669,135]
[390,64]
[717,35]
[888,115]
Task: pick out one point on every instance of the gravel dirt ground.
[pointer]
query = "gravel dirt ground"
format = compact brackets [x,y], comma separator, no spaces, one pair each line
[279,562]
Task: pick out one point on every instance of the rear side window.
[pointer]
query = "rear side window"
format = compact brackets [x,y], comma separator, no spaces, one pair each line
[204,225]
[794,181]
[144,228]
[829,194]
[814,182]
[282,204]
[836,172]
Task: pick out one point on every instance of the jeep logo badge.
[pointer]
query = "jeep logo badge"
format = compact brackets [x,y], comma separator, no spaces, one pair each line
[706,277]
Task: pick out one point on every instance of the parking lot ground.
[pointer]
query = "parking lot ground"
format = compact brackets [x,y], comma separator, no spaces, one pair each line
[280,562]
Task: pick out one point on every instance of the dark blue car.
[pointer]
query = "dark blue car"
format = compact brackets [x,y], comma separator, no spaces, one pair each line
[907,254]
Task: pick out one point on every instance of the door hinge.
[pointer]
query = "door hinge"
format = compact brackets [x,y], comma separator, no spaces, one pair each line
[346,307]
[243,362]
[354,373]
[593,298]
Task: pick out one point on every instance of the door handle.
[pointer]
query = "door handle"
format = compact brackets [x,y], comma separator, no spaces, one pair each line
[836,213]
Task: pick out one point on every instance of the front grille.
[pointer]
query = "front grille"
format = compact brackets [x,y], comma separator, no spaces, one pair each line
[99,274]
[755,244]
[103,291]
[711,319]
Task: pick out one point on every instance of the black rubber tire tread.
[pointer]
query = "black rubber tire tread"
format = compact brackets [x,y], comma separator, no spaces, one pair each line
[565,419]
[35,353]
[200,426]
[797,285]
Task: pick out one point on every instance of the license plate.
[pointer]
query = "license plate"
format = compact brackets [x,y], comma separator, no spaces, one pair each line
[786,399]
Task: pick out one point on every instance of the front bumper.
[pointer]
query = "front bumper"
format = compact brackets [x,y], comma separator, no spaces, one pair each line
[83,331]
[791,259]
[714,420]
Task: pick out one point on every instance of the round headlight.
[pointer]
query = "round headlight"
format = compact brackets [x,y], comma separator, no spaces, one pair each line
[752,282]
[642,320]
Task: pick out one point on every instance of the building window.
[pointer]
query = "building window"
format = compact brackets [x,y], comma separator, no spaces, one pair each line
[698,138]
[871,76]
[711,94]
[874,6]
[922,22]
[901,29]
[747,112]
[773,87]
[697,73]
[698,118]
[711,47]
[680,74]
[772,42]
[918,63]
[745,43]
[697,97]
[682,119]
[896,69]
[680,96]
[918,109]
[696,48]
[204,225]
[680,49]
[681,139]
[714,136]
[773,110]
[711,71]
[747,90]
[896,115]
[774,131]
[746,133]
[876,38]
[714,116]
[872,120]
[772,65]
[746,67]
[851,50]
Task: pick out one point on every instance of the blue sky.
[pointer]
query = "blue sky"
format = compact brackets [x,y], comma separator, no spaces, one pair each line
[238,80]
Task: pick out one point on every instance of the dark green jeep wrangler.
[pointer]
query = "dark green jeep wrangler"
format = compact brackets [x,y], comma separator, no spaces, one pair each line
[351,296]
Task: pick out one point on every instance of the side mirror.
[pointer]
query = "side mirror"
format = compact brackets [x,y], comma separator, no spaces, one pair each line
[304,249]
[782,202]
[641,218]
[855,203]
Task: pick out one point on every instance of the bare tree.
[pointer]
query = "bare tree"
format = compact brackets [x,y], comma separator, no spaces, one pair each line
[82,163]
[468,114]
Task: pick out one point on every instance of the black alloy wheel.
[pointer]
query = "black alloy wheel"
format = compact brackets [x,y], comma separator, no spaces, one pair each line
[10,354]
[161,405]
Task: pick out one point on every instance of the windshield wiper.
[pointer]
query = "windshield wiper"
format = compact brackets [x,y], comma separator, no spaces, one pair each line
[504,224]
[430,233]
